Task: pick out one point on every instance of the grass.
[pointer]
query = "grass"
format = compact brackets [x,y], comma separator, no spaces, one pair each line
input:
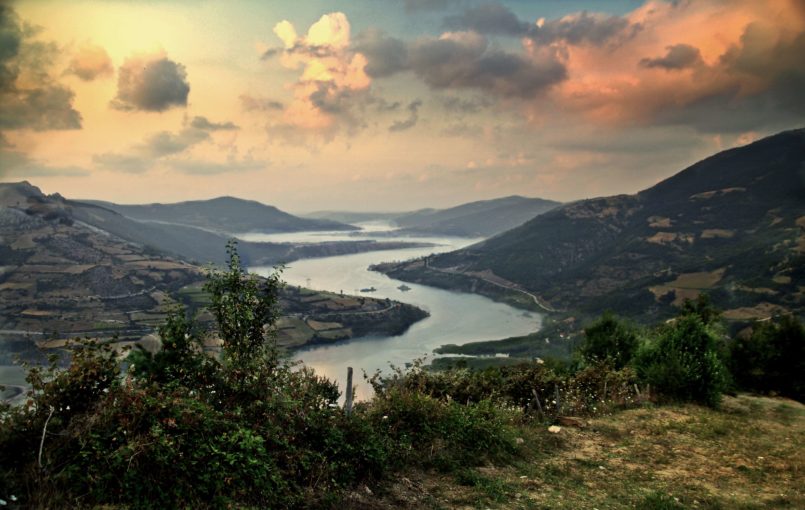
[746,455]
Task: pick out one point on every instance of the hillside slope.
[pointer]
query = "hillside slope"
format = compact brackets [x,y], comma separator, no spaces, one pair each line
[475,219]
[224,214]
[186,242]
[732,225]
[70,269]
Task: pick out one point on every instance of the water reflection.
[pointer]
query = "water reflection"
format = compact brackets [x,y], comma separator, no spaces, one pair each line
[455,317]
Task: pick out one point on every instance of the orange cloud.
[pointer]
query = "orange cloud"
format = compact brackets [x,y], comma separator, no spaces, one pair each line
[331,75]
[91,62]
[687,56]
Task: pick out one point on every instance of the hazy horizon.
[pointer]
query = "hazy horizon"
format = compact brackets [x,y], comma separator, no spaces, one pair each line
[386,105]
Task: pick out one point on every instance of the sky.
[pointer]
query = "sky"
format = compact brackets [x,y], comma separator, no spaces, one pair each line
[380,105]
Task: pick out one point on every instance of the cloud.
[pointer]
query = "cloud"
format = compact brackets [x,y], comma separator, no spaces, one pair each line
[464,60]
[14,164]
[583,27]
[461,106]
[205,125]
[91,62]
[152,83]
[736,66]
[125,163]
[488,19]
[332,88]
[385,55]
[162,145]
[196,167]
[255,103]
[166,143]
[679,56]
[413,118]
[30,98]
[48,107]
[576,28]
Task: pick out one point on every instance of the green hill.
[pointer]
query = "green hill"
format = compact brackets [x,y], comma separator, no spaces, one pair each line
[223,214]
[475,219]
[732,225]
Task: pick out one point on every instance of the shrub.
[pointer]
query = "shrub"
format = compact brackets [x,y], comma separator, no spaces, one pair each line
[772,359]
[610,339]
[181,359]
[683,364]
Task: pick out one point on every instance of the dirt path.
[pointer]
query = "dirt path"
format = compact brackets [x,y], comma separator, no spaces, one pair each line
[507,286]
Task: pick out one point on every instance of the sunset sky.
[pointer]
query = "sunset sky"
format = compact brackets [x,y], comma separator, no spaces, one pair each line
[386,104]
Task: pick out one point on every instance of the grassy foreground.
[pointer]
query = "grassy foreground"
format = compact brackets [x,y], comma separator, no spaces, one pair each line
[747,454]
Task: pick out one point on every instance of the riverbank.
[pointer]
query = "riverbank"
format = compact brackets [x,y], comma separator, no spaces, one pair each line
[496,289]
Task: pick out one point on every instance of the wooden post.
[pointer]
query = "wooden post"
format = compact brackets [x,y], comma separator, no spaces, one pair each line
[539,405]
[558,401]
[348,400]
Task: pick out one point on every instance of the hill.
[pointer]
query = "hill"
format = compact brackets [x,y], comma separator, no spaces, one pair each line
[186,242]
[224,214]
[475,219]
[732,225]
[353,216]
[72,269]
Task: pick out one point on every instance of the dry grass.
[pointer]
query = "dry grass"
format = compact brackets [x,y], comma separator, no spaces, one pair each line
[746,455]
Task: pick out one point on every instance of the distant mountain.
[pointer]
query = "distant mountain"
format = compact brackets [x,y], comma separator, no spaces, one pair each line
[475,219]
[223,214]
[732,225]
[352,216]
[186,242]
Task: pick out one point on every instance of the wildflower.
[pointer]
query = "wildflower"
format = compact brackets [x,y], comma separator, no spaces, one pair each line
[554,429]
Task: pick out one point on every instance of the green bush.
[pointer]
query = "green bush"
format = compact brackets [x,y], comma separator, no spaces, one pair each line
[610,339]
[449,433]
[683,363]
[772,359]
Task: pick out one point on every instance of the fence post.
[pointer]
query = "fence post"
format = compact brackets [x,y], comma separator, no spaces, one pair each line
[558,400]
[539,405]
[348,401]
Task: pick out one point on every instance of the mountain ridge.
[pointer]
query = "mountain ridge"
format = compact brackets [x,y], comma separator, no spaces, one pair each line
[222,214]
[640,254]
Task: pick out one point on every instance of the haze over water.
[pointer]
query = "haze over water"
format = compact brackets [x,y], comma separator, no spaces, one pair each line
[455,318]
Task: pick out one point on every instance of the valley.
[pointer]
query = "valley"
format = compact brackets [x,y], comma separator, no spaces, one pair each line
[63,277]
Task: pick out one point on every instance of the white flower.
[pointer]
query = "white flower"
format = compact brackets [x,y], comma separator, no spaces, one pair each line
[554,429]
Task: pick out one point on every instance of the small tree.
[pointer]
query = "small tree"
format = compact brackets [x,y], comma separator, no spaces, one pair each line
[180,360]
[610,339]
[684,363]
[772,359]
[702,307]
[244,307]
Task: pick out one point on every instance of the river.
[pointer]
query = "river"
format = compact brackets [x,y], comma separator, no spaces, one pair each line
[455,318]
